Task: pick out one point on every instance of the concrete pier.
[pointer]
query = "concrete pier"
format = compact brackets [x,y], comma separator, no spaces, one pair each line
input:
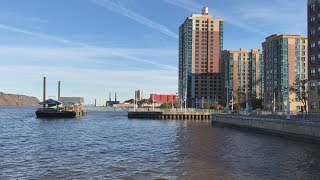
[169,115]
[302,130]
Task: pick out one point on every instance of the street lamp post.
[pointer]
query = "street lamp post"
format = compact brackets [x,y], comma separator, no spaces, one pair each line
[232,102]
[153,102]
[227,104]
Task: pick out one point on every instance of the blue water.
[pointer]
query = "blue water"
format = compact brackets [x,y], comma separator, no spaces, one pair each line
[107,145]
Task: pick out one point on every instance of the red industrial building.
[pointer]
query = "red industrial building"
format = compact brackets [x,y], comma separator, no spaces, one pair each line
[163,98]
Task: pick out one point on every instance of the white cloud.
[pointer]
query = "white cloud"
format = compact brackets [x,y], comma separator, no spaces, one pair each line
[40,35]
[261,17]
[89,83]
[120,9]
[85,47]
[92,55]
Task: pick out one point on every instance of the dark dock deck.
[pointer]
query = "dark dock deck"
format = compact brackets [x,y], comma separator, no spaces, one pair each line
[166,115]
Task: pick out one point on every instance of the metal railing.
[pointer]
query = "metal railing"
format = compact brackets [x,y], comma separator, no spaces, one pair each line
[188,110]
[294,116]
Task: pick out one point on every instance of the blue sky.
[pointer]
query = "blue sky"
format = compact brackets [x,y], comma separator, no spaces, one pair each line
[97,46]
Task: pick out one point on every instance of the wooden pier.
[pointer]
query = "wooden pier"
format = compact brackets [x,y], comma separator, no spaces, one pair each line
[169,115]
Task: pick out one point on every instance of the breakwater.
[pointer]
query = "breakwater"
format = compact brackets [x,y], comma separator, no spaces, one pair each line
[309,131]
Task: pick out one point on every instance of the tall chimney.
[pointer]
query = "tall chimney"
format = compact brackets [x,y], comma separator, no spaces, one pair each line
[58,90]
[95,102]
[44,89]
[109,96]
[115,96]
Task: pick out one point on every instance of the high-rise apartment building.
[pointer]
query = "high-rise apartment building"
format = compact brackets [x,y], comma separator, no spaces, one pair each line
[138,95]
[284,64]
[314,55]
[200,45]
[243,71]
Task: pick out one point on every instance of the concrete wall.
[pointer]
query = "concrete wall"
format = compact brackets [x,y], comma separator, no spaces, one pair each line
[295,129]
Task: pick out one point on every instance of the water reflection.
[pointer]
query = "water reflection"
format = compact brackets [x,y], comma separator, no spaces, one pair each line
[234,154]
[106,145]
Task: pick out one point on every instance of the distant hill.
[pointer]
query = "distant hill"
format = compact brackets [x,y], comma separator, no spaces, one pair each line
[17,100]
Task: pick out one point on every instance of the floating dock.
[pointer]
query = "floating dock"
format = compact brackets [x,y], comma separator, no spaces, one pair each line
[163,115]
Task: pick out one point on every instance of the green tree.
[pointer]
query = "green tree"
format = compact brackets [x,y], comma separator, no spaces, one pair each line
[256,103]
[301,92]
[239,99]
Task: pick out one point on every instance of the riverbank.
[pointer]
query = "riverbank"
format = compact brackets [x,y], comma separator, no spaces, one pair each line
[302,130]
[17,100]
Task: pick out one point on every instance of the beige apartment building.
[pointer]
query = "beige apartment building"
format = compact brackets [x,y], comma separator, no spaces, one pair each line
[243,71]
[285,62]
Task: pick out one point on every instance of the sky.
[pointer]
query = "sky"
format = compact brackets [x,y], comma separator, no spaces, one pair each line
[99,46]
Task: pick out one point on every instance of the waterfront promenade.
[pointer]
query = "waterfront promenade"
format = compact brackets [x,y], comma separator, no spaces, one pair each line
[303,127]
[297,129]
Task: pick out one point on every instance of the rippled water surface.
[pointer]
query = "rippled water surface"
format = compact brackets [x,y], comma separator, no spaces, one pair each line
[107,145]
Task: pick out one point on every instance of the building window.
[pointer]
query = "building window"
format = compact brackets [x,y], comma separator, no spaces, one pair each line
[313,7]
[312,32]
[312,86]
[313,105]
[312,72]
[312,58]
[312,20]
[312,45]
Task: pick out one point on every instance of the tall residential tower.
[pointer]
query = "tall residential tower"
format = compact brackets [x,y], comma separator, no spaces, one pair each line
[284,65]
[200,46]
[314,55]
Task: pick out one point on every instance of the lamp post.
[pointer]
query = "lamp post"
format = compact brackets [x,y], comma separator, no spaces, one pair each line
[134,102]
[227,104]
[288,98]
[274,101]
[232,102]
[153,102]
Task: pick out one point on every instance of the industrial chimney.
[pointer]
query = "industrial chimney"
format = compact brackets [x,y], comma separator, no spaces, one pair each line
[110,96]
[58,90]
[44,89]
[115,96]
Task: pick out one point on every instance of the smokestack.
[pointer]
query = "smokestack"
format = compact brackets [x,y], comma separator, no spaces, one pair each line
[44,89]
[115,96]
[95,102]
[58,90]
[109,96]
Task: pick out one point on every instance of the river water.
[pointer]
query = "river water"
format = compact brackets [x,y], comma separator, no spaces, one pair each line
[107,145]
